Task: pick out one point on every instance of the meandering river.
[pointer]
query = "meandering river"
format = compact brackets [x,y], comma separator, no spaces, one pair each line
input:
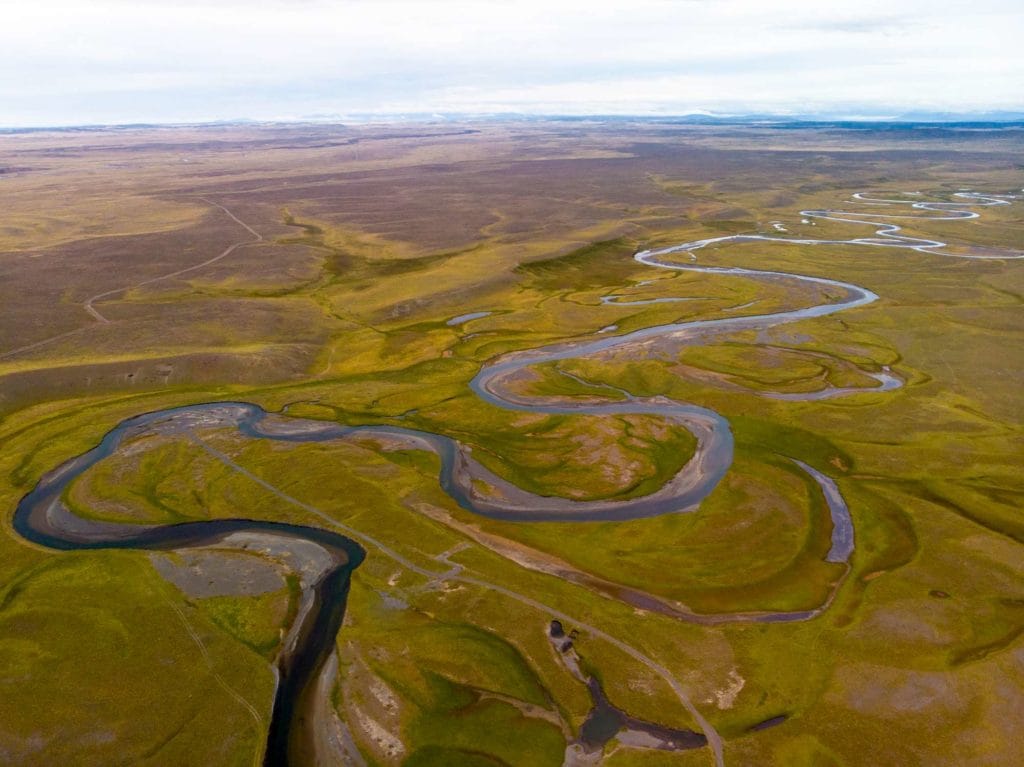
[42,517]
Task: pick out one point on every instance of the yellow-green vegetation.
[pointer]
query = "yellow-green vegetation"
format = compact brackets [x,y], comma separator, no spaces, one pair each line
[151,483]
[341,314]
[255,620]
[58,623]
[757,544]
[448,687]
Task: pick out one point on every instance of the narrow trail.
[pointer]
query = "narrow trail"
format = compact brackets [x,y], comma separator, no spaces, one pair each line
[257,237]
[89,303]
[221,682]
[42,517]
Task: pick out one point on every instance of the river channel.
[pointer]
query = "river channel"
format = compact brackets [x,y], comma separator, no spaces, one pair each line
[42,517]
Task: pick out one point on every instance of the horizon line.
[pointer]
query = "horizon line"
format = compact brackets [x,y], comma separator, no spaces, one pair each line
[1006,117]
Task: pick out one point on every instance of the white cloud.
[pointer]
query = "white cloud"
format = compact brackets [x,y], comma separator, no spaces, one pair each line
[113,60]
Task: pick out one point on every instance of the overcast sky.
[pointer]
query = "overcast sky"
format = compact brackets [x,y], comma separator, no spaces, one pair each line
[114,61]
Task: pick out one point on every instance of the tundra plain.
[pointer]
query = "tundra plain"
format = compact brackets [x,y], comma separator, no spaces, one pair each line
[362,277]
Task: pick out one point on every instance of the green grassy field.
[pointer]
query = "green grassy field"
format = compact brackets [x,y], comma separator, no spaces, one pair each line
[341,314]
